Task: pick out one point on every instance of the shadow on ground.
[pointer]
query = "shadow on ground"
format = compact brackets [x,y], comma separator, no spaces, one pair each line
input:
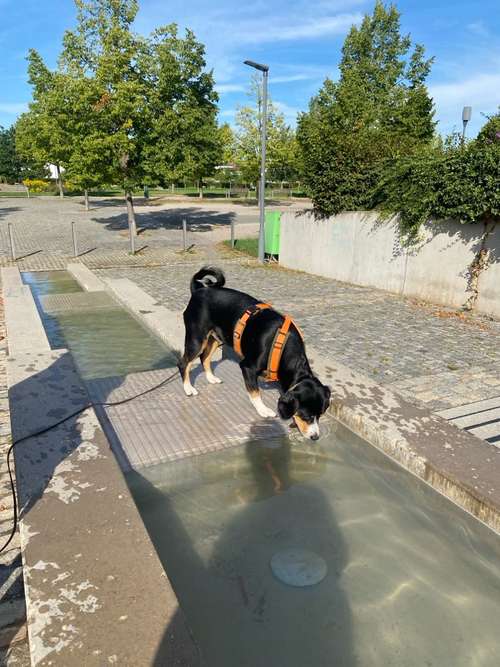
[198,219]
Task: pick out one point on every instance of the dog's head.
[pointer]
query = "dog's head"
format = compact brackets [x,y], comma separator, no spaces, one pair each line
[305,402]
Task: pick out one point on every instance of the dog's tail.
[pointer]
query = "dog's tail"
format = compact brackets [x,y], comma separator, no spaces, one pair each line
[208,276]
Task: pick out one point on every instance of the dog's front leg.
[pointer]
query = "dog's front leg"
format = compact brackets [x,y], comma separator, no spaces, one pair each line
[252,386]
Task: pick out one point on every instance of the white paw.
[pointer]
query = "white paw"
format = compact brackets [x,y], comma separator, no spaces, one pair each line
[266,412]
[213,379]
[190,391]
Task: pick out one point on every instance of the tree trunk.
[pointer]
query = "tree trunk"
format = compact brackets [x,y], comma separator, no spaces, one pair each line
[200,190]
[478,265]
[59,181]
[86,196]
[130,212]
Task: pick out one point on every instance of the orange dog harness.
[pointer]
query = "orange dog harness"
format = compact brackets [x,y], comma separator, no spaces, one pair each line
[279,342]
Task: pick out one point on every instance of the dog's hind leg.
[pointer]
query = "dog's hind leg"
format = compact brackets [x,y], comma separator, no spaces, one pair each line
[193,348]
[206,358]
[252,386]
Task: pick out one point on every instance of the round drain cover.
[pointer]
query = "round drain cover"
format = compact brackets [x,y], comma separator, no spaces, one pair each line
[298,567]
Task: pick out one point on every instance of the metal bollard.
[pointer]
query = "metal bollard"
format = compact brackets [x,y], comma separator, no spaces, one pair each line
[184,235]
[12,246]
[73,235]
[131,235]
[232,234]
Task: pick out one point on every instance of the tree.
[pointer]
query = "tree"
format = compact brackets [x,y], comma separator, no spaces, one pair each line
[377,111]
[131,109]
[44,132]
[282,151]
[9,161]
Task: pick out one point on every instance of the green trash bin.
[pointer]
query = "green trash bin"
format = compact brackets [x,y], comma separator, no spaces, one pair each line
[272,233]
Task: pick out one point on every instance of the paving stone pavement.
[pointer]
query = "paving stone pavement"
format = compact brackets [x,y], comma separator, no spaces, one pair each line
[42,225]
[429,354]
[13,638]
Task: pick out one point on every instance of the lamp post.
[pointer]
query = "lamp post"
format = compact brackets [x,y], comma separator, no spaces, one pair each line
[263,137]
[466,115]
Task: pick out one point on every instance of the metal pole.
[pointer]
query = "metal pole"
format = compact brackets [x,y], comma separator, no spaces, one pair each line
[466,116]
[73,234]
[232,234]
[12,246]
[131,236]
[262,189]
[184,235]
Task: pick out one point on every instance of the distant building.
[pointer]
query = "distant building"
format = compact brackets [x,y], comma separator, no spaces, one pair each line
[53,171]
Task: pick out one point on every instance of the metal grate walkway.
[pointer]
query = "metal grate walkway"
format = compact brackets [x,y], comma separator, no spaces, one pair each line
[77,301]
[166,425]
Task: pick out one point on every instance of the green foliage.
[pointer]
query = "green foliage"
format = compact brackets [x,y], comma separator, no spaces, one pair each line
[449,180]
[246,246]
[13,166]
[378,111]
[9,163]
[122,108]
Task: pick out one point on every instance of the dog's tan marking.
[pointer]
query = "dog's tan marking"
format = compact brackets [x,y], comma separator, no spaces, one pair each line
[206,358]
[308,430]
[301,424]
[257,403]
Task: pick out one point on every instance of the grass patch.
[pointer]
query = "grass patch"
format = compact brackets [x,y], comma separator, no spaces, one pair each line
[246,246]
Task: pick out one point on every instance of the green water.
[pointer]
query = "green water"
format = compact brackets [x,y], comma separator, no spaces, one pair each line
[412,580]
[103,342]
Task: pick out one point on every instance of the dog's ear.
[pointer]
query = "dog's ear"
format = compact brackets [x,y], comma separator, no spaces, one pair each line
[287,406]
[327,397]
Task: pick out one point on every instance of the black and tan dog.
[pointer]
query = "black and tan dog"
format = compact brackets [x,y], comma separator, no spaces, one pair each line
[211,318]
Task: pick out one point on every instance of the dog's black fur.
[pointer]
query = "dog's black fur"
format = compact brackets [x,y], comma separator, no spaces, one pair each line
[210,319]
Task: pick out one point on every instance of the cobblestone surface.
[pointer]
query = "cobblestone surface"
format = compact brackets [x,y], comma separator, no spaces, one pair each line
[431,355]
[13,642]
[43,225]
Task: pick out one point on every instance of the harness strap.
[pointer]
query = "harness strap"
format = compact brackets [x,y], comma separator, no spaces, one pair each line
[242,322]
[279,342]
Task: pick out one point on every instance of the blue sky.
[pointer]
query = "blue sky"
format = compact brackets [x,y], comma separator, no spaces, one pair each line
[299,39]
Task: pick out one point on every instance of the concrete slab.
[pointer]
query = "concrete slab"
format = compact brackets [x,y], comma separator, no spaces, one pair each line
[81,535]
[166,425]
[166,324]
[481,418]
[85,277]
[469,409]
[25,330]
[11,279]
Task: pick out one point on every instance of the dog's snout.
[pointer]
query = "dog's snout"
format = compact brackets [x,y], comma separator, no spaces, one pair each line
[315,436]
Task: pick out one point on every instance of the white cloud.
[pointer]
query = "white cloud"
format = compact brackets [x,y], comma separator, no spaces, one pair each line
[229,87]
[480,92]
[13,108]
[319,26]
[289,112]
[291,77]
[478,28]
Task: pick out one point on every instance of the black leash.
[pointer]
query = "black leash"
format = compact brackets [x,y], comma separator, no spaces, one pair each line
[61,421]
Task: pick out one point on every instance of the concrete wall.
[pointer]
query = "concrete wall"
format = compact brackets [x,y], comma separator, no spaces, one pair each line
[355,247]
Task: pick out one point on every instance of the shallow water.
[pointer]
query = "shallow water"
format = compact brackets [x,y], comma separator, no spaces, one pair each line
[103,342]
[412,580]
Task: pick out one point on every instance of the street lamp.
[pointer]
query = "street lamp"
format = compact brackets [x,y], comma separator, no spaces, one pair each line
[263,136]
[466,114]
